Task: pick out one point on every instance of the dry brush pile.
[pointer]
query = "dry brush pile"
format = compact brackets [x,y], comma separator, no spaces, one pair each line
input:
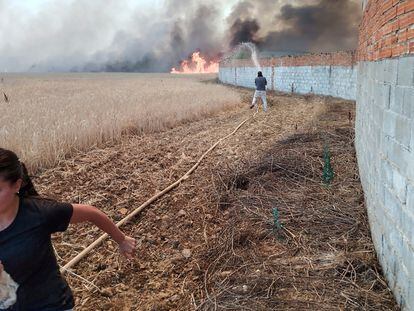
[290,242]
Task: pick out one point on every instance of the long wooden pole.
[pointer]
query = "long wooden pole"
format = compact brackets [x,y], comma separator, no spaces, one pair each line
[98,241]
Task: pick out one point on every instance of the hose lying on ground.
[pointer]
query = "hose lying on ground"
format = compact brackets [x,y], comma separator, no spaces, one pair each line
[98,241]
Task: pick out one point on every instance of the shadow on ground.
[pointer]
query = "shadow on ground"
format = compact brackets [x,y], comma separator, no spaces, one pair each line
[291,241]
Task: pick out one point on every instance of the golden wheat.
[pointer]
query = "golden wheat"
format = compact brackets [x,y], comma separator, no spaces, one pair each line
[49,116]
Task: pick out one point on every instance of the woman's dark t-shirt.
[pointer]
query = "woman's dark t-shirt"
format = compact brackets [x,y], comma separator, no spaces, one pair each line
[27,254]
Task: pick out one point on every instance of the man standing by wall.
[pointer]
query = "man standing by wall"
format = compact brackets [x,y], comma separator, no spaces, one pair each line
[261,83]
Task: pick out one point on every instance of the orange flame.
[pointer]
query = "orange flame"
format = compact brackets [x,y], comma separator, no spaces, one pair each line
[197,64]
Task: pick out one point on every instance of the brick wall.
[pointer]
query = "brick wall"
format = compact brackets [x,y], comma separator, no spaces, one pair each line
[385,137]
[386,29]
[346,59]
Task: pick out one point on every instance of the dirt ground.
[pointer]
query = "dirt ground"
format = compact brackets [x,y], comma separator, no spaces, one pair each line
[254,227]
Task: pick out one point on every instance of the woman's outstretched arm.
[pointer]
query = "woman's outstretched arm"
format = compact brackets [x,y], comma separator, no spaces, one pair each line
[87,213]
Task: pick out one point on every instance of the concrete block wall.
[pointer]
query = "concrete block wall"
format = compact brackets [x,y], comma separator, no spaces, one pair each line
[338,81]
[385,150]
[325,74]
[385,137]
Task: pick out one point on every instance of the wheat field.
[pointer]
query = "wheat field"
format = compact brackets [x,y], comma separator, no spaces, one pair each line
[47,117]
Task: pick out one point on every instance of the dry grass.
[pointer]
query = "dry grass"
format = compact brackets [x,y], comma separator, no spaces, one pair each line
[322,259]
[321,256]
[47,117]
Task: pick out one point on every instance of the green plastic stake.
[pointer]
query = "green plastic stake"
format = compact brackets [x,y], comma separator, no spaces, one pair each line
[328,173]
[276,223]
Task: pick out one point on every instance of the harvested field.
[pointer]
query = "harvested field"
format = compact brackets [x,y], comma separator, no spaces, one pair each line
[47,117]
[214,243]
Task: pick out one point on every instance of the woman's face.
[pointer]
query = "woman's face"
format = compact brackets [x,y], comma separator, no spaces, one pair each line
[8,192]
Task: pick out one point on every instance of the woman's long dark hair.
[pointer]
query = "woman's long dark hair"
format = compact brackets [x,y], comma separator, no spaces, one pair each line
[11,170]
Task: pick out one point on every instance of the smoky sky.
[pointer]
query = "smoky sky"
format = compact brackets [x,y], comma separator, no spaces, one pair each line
[321,26]
[120,35]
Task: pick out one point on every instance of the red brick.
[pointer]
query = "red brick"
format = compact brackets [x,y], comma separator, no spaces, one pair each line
[389,28]
[390,14]
[410,34]
[409,7]
[378,36]
[411,48]
[402,35]
[405,7]
[386,29]
[388,4]
[398,50]
[390,40]
[406,20]
[386,53]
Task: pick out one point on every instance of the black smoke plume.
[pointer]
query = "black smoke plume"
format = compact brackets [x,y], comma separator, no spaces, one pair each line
[244,31]
[325,26]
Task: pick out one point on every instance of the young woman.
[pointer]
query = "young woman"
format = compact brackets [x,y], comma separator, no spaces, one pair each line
[26,224]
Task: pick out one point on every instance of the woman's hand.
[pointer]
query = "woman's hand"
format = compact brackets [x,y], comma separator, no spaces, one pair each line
[1,267]
[127,247]
[82,213]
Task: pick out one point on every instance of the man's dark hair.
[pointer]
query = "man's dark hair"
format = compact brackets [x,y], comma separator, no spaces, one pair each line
[259,74]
